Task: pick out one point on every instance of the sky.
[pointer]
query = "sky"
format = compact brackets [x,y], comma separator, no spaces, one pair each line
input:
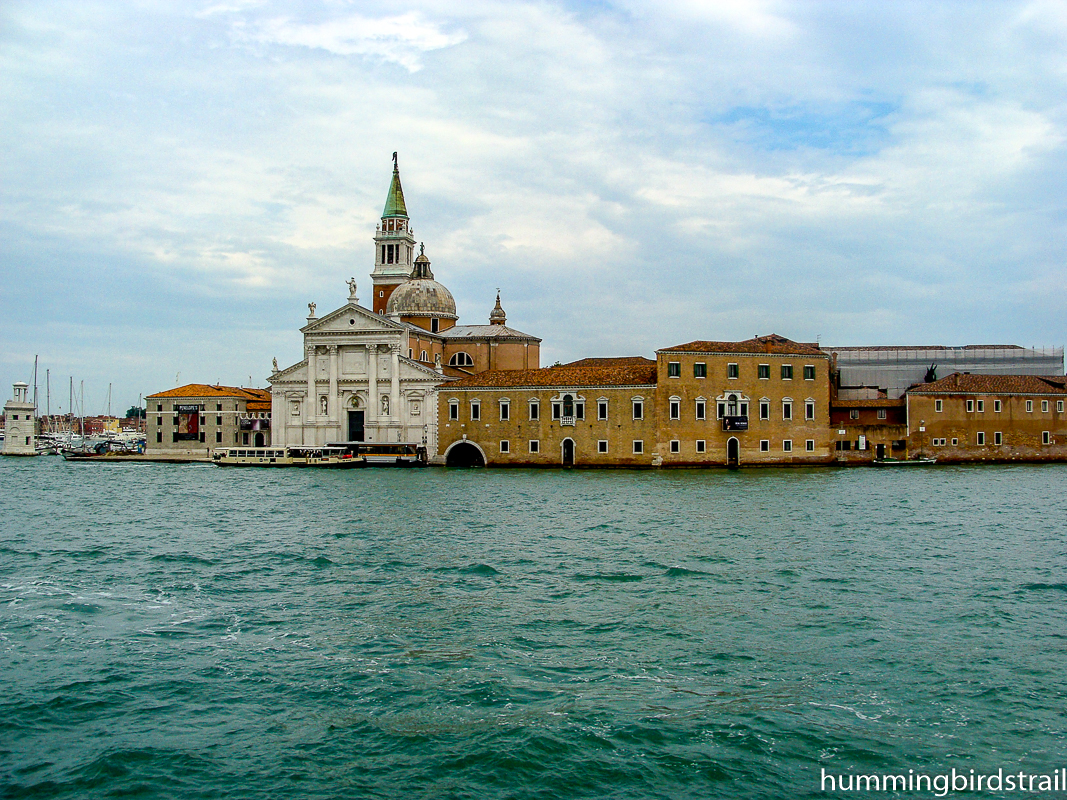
[179,179]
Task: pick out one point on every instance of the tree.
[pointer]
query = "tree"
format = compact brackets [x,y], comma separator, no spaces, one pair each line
[133,412]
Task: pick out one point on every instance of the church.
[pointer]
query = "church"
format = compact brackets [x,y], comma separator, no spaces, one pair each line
[370,373]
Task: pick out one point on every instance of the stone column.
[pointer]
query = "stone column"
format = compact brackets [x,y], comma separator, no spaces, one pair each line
[394,381]
[334,406]
[313,400]
[372,382]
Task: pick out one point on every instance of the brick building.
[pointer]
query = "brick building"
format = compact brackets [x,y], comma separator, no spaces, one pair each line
[192,419]
[967,417]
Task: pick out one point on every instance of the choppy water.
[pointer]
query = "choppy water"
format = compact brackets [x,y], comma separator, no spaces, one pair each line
[191,632]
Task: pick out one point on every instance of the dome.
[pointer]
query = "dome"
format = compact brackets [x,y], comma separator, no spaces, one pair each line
[421,297]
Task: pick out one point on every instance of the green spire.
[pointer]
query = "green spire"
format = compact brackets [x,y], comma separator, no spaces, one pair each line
[394,201]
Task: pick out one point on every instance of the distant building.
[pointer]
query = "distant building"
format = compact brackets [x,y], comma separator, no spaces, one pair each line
[19,424]
[965,417]
[760,401]
[195,418]
[369,374]
[864,371]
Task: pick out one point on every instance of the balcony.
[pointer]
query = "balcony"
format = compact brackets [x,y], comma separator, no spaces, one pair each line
[567,421]
[736,423]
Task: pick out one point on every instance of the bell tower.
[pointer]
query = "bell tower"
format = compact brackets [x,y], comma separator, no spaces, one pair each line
[394,245]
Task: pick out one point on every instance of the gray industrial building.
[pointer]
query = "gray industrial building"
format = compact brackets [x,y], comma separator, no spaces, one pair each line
[867,372]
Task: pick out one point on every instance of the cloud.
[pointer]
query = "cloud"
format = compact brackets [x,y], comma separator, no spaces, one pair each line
[399,39]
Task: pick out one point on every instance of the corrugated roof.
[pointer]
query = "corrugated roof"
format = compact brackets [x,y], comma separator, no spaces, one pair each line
[611,372]
[928,347]
[206,390]
[966,383]
[485,332]
[773,344]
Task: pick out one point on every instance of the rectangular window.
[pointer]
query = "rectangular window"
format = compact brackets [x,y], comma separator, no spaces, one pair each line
[938,406]
[732,371]
[700,370]
[996,406]
[557,410]
[175,420]
[854,413]
[676,446]
[411,352]
[435,325]
[701,411]
[218,437]
[639,409]
[159,436]
[601,409]
[476,411]
[970,406]
[787,446]
[1046,437]
[579,410]
[764,410]
[676,409]
[722,410]
[505,446]
[809,372]
[809,410]
[764,372]
[535,446]
[701,446]
[955,442]
[998,438]
[1044,406]
[505,411]
[453,410]
[765,445]
[787,410]
[1059,406]
[1029,406]
[535,410]
[159,406]
[218,420]
[639,446]
[881,413]
[602,446]
[809,445]
[980,438]
[981,406]
[787,372]
[674,369]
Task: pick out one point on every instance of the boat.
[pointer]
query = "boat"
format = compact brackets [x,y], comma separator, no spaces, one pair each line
[386,454]
[292,456]
[901,462]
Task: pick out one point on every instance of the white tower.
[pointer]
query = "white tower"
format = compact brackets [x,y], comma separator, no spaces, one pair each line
[20,437]
[394,245]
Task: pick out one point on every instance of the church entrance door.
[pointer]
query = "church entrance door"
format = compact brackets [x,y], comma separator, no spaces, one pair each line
[355,426]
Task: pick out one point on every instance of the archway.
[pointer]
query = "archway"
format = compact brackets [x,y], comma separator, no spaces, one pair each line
[260,440]
[568,452]
[733,452]
[464,454]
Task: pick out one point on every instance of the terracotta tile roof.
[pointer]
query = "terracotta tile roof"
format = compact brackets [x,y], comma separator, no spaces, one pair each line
[773,344]
[874,402]
[258,405]
[205,390]
[606,372]
[611,362]
[965,383]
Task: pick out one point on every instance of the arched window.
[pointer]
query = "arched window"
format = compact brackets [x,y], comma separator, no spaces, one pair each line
[461,360]
[568,406]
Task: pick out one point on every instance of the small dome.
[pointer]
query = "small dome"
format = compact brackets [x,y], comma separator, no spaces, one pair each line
[421,297]
[497,315]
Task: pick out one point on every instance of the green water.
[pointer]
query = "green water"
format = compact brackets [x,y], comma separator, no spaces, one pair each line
[191,632]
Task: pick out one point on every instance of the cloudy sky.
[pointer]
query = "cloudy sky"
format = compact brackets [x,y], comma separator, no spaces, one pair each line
[179,179]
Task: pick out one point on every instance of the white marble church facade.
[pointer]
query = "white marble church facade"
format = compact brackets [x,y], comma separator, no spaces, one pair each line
[355,384]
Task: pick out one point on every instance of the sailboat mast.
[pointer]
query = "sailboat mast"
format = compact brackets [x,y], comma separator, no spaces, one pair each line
[81,410]
[48,398]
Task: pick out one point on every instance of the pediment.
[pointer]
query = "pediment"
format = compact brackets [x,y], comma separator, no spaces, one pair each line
[350,318]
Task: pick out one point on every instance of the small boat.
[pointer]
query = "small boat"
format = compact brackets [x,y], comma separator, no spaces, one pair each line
[901,462]
[292,456]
